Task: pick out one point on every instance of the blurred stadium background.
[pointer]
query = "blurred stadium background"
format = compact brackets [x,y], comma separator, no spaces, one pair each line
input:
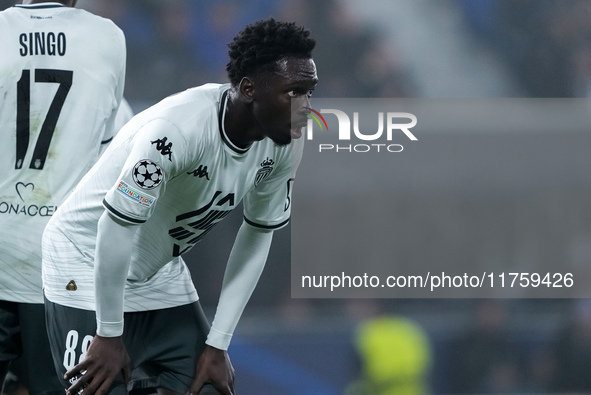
[401,48]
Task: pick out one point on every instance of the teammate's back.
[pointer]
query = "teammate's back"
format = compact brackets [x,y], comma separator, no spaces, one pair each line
[62,77]
[62,73]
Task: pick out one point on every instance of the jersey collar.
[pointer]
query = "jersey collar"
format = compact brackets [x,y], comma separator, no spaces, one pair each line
[221,117]
[39,6]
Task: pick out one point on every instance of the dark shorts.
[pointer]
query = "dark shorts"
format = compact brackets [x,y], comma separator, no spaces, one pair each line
[163,345]
[23,334]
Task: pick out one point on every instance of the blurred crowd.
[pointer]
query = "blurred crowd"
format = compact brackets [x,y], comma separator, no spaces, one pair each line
[490,351]
[177,44]
[493,357]
[547,43]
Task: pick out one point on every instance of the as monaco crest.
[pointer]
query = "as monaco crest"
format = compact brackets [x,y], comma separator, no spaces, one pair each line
[264,171]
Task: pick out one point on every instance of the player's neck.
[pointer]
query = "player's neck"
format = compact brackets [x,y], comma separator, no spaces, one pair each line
[239,123]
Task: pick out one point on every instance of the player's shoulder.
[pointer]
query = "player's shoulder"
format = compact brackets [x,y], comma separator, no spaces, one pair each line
[81,13]
[49,11]
[198,103]
[189,109]
[52,14]
[207,94]
[9,14]
[6,11]
[101,25]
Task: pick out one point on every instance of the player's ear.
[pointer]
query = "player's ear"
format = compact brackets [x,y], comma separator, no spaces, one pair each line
[246,88]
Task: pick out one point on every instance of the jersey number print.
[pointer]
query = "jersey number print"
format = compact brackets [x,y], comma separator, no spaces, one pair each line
[23,110]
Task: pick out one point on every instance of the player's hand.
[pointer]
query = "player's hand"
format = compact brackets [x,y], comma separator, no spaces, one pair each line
[106,358]
[213,367]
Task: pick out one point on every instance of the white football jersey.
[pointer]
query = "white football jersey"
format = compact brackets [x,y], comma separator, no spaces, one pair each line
[62,77]
[172,170]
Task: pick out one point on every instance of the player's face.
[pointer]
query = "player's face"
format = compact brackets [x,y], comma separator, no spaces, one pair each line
[272,105]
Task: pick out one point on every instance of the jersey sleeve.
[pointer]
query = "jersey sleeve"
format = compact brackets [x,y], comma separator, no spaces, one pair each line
[157,152]
[121,111]
[268,205]
[123,115]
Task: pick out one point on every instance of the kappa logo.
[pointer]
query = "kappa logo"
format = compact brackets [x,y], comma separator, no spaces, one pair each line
[200,172]
[163,148]
[264,171]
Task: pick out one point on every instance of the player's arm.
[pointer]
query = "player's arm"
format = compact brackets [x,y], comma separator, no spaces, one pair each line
[123,115]
[244,268]
[107,357]
[266,207]
[120,109]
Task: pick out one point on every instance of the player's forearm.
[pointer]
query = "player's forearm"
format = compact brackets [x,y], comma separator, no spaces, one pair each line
[113,254]
[243,271]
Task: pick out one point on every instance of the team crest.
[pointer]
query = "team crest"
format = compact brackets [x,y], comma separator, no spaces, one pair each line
[147,174]
[264,171]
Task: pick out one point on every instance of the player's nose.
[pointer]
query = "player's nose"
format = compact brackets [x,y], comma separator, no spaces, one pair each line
[307,101]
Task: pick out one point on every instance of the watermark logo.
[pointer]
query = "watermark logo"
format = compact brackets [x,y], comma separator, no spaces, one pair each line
[390,124]
[315,115]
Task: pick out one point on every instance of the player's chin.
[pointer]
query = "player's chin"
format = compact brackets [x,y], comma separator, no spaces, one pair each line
[296,132]
[283,139]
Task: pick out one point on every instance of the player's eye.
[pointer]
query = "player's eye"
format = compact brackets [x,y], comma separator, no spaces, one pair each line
[297,92]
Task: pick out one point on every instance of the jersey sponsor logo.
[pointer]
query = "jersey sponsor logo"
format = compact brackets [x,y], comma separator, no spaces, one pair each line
[137,196]
[29,210]
[200,172]
[264,171]
[163,148]
[25,192]
[147,174]
[22,188]
[199,222]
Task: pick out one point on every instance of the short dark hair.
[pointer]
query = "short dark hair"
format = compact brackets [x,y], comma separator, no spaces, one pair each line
[260,45]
